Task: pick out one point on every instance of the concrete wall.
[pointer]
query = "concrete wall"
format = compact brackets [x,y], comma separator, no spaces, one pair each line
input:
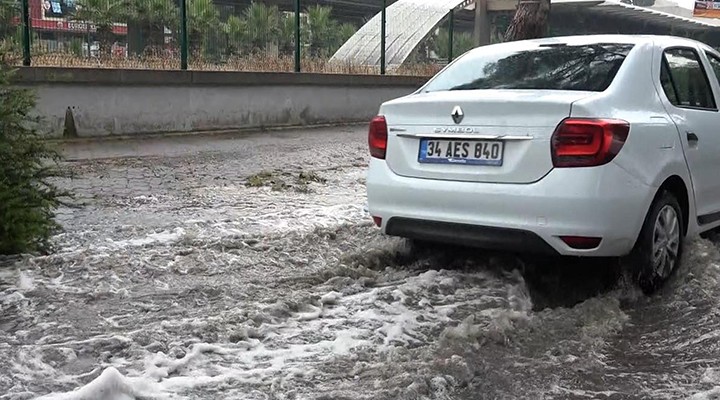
[104,102]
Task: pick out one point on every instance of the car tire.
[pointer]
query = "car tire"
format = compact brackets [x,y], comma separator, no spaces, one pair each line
[658,251]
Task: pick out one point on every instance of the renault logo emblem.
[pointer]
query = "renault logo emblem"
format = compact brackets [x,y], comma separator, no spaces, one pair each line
[457,114]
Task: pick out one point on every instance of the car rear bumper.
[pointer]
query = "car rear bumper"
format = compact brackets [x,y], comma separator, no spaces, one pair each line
[468,235]
[603,202]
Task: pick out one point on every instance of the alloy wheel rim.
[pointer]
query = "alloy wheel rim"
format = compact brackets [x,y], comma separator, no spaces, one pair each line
[666,241]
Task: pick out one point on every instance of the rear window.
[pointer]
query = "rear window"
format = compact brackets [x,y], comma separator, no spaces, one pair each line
[590,67]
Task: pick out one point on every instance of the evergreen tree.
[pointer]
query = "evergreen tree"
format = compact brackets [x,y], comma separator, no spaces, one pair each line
[28,198]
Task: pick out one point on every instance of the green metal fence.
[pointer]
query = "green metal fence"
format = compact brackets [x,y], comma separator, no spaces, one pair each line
[263,35]
[233,35]
[11,30]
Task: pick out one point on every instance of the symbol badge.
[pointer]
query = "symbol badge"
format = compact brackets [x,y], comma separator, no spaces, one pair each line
[457,114]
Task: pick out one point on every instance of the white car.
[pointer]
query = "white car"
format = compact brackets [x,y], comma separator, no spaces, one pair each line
[597,146]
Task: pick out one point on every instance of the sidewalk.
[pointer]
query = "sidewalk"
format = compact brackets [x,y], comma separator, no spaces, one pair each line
[184,145]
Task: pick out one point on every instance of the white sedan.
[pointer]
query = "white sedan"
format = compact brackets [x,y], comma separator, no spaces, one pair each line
[598,146]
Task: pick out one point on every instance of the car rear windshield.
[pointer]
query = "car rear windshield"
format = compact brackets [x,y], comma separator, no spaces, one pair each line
[588,67]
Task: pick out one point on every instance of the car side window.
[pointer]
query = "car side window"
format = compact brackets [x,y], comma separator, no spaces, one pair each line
[667,84]
[715,64]
[687,78]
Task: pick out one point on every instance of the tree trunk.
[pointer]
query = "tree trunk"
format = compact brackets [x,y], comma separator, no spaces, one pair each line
[135,38]
[530,20]
[105,41]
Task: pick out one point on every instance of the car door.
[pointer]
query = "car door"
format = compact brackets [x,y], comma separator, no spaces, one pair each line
[692,106]
[713,141]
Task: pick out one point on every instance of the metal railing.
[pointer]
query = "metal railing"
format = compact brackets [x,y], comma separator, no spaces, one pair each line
[234,35]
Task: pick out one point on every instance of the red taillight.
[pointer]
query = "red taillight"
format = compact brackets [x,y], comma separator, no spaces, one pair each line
[377,137]
[580,142]
[377,221]
[581,242]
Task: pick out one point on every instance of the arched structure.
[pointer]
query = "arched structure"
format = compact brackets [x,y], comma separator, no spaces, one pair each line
[412,21]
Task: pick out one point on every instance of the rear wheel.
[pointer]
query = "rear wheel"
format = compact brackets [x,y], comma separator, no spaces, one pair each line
[659,248]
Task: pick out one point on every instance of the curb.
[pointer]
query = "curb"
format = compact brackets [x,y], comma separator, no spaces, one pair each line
[238,132]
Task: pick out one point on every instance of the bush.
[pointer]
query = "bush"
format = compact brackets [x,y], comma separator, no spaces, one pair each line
[27,164]
[76,47]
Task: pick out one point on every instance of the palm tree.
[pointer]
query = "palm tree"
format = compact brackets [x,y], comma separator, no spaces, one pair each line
[323,30]
[263,26]
[9,11]
[345,32]
[10,29]
[235,29]
[103,14]
[286,38]
[462,42]
[147,21]
[203,17]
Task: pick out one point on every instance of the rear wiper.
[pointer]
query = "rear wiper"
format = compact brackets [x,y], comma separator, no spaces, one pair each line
[469,86]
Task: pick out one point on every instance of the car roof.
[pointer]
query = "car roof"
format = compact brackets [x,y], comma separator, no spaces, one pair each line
[602,38]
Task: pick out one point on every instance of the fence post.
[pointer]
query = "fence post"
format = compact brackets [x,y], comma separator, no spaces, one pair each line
[383,23]
[451,34]
[26,32]
[89,48]
[297,35]
[183,35]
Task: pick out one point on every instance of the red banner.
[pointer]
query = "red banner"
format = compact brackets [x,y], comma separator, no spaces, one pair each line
[708,9]
[72,26]
[55,15]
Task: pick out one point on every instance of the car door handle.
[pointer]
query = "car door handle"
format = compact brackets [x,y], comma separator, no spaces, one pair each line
[692,137]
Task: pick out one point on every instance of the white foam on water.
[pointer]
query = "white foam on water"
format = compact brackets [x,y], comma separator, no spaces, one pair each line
[589,394]
[234,211]
[409,310]
[25,282]
[330,298]
[712,394]
[110,385]
[710,376]
[253,210]
[251,362]
[159,238]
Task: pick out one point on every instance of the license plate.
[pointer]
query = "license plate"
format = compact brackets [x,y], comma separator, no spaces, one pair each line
[469,152]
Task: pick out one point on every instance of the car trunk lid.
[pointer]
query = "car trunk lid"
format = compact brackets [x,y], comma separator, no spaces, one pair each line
[436,135]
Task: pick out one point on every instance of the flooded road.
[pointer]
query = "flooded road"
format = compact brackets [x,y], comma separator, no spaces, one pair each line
[247,268]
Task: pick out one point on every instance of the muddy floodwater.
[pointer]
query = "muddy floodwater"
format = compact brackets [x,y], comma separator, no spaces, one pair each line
[246,267]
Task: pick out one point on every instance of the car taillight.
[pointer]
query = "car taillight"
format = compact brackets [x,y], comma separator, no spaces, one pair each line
[377,137]
[581,142]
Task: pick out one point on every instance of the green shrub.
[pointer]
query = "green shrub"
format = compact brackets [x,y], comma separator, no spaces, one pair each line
[76,47]
[28,199]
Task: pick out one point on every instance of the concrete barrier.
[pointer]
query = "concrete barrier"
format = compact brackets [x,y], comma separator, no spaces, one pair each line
[104,102]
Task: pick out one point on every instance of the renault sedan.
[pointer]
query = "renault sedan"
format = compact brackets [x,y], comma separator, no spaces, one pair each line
[590,146]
